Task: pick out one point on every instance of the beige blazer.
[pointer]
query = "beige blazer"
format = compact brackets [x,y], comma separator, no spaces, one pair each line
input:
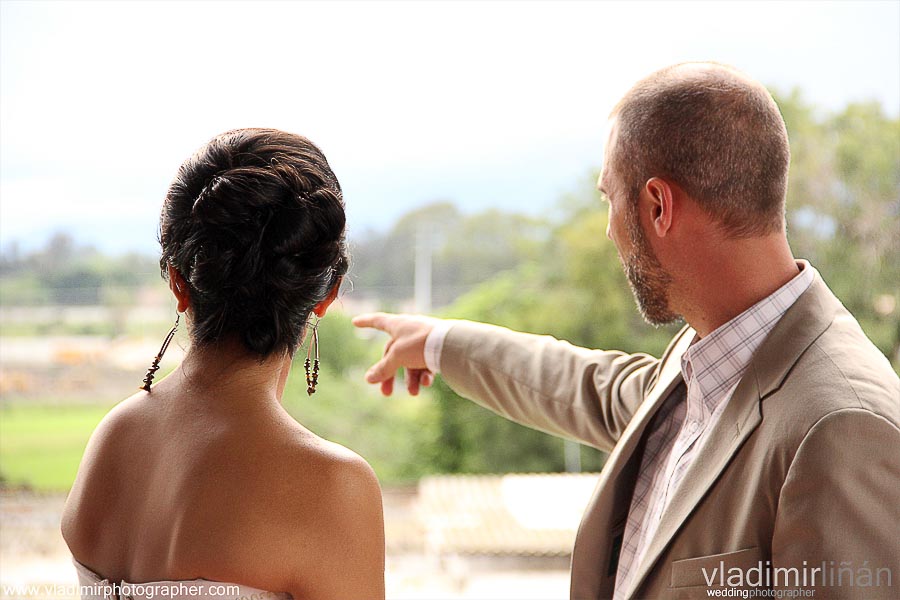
[802,470]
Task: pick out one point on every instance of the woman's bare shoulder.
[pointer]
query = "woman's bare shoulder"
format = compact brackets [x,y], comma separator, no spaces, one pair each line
[97,483]
[116,426]
[331,506]
[334,470]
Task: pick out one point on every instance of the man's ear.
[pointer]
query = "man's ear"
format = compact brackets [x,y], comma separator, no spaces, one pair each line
[179,289]
[320,308]
[660,194]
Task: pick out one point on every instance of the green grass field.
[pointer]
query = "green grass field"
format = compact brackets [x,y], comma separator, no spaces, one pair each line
[41,445]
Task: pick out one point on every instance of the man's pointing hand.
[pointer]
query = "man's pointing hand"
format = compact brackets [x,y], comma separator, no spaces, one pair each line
[405,348]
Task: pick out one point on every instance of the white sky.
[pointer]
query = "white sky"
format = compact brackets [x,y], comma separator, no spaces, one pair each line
[487,104]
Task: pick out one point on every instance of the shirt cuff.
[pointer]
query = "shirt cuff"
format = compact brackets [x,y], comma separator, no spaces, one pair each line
[434,344]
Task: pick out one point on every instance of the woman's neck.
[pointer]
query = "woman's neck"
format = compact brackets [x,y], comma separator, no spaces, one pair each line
[226,372]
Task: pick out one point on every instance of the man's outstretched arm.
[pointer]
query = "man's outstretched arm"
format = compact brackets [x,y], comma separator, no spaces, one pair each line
[537,381]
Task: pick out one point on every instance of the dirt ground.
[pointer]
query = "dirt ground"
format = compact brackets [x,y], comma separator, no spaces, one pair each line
[32,553]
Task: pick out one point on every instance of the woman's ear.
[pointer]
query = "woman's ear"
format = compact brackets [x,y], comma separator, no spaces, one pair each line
[179,289]
[320,308]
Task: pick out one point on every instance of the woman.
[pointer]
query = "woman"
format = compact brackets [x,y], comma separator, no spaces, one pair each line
[204,476]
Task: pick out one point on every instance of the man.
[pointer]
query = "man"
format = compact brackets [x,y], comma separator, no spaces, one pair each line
[762,450]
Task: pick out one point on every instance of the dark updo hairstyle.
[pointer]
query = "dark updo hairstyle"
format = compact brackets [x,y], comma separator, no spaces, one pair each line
[254,222]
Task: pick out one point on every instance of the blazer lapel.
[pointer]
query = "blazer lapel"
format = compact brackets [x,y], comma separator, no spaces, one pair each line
[738,420]
[797,329]
[592,543]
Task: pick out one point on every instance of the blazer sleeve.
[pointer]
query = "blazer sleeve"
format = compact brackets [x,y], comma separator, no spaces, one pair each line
[839,508]
[585,395]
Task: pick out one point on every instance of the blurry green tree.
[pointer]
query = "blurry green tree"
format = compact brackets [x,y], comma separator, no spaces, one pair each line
[65,273]
[844,209]
[843,215]
[466,250]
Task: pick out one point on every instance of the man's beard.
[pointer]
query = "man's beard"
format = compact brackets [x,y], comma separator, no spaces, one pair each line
[648,280]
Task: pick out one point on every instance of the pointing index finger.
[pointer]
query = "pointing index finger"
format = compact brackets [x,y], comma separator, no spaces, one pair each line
[379,321]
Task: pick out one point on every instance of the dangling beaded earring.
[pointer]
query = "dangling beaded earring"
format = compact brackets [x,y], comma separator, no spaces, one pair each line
[154,366]
[312,378]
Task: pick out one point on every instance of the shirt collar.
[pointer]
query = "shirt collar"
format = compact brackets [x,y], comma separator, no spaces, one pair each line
[715,363]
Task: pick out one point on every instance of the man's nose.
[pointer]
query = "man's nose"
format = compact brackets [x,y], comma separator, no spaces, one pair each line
[607,231]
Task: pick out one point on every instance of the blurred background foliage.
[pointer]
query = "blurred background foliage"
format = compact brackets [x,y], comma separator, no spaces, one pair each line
[557,274]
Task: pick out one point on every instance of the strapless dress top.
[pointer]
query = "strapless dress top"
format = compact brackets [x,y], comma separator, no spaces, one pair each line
[94,587]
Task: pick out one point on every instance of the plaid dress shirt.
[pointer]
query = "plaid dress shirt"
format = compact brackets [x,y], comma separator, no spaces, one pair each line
[712,368]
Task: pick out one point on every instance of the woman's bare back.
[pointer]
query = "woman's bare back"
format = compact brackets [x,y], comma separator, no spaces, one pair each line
[178,487]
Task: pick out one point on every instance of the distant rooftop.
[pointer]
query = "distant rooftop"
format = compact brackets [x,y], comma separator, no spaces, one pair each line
[489,515]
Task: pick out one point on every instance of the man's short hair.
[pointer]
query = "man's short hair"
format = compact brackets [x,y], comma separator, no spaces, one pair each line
[717,134]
